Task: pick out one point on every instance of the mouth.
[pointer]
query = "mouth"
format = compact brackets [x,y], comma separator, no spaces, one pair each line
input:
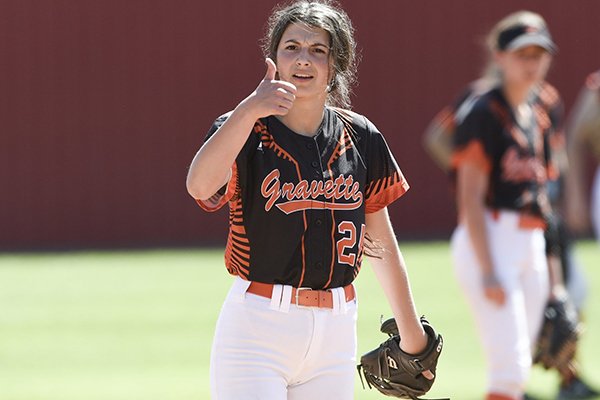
[302,77]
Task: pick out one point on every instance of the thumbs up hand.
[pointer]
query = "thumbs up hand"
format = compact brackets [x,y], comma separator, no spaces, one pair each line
[271,96]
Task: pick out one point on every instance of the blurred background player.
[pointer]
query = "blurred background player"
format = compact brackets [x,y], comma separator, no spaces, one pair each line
[501,161]
[584,138]
[438,142]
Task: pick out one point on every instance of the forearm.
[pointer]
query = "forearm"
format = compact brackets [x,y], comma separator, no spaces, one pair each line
[557,285]
[576,174]
[391,273]
[210,168]
[474,219]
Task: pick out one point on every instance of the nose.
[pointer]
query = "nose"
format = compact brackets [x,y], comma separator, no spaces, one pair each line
[303,58]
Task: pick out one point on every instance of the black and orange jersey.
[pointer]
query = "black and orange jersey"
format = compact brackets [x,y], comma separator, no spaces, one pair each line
[298,204]
[516,157]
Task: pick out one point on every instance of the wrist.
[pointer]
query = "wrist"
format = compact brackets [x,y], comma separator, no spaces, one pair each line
[245,110]
[489,279]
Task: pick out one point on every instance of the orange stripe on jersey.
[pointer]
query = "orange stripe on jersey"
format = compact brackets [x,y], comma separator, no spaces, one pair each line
[299,205]
[219,199]
[237,250]
[344,144]
[269,142]
[445,119]
[472,153]
[552,172]
[385,191]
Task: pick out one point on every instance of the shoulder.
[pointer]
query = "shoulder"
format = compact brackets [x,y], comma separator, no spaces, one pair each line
[220,120]
[357,123]
[486,106]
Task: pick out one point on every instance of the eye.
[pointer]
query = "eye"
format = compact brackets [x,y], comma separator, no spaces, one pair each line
[320,50]
[291,47]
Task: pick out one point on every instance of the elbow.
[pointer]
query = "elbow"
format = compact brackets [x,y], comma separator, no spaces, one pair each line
[197,190]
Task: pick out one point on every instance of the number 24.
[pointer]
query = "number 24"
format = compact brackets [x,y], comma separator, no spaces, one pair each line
[348,229]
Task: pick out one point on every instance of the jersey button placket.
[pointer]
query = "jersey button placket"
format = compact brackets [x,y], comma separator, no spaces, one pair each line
[315,164]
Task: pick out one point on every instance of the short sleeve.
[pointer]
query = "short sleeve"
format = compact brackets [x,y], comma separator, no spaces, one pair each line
[385,181]
[231,190]
[472,142]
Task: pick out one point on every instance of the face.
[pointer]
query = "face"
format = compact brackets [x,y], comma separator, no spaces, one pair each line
[303,58]
[525,66]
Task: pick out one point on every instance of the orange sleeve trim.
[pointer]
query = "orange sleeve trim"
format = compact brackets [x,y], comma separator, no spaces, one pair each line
[386,196]
[552,172]
[219,199]
[445,119]
[473,153]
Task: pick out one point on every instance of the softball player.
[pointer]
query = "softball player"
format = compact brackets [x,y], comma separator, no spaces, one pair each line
[307,186]
[566,274]
[501,162]
[584,136]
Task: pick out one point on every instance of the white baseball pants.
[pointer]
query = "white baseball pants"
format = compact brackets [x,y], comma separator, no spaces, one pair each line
[273,350]
[507,332]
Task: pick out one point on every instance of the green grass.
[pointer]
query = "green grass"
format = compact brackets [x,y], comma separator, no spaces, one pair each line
[138,325]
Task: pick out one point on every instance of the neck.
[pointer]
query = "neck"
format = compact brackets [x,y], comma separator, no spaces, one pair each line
[304,118]
[516,95]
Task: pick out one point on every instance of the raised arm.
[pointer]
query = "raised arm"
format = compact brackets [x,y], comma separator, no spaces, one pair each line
[210,168]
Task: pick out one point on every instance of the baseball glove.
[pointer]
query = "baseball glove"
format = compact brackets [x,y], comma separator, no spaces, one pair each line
[561,328]
[396,373]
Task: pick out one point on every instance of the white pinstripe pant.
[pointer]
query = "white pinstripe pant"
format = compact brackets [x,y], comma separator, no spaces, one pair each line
[506,332]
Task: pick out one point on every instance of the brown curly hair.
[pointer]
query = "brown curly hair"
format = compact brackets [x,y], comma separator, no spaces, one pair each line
[328,16]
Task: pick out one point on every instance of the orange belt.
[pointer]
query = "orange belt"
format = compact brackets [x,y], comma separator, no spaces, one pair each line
[526,221]
[305,297]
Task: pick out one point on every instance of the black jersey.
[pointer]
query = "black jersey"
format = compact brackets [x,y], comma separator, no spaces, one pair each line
[298,204]
[516,158]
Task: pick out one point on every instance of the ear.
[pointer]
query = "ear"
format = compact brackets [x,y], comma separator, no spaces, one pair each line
[331,83]
[499,57]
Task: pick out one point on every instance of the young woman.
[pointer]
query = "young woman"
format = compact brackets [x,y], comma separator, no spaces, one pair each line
[501,163]
[307,185]
[567,278]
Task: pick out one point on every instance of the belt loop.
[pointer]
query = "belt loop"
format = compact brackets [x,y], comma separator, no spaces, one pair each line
[337,301]
[276,297]
[286,298]
[239,288]
[342,296]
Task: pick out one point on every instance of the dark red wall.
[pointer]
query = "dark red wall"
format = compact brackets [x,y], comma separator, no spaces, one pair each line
[104,103]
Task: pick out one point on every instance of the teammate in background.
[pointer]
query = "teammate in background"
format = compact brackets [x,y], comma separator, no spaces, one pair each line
[563,267]
[501,162]
[584,138]
[308,186]
[438,142]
